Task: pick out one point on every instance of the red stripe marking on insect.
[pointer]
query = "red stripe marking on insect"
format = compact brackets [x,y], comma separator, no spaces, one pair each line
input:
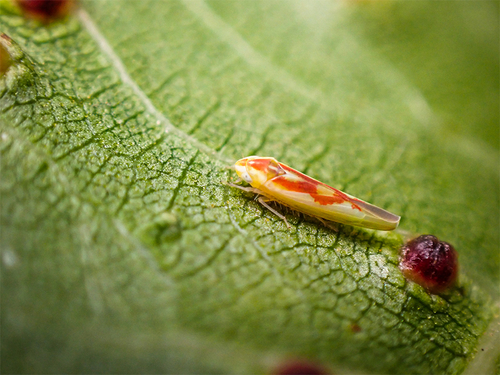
[354,206]
[298,186]
[309,185]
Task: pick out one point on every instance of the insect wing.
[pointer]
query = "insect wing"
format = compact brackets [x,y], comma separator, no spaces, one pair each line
[377,211]
[315,198]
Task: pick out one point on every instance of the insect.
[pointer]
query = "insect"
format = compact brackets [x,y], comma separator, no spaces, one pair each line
[275,181]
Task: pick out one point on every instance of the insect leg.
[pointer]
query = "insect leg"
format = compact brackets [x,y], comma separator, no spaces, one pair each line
[328,225]
[244,188]
[262,201]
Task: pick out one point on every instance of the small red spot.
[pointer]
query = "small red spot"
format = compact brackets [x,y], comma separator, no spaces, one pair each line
[299,367]
[355,328]
[45,10]
[430,263]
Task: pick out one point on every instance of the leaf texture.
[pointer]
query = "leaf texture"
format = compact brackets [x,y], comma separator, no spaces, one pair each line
[122,249]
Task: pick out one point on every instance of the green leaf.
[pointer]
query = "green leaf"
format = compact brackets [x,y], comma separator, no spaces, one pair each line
[123,251]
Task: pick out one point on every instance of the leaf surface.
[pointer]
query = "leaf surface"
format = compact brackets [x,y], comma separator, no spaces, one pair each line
[123,251]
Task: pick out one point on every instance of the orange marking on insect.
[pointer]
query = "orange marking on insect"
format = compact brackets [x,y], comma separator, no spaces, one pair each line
[298,186]
[326,200]
[261,164]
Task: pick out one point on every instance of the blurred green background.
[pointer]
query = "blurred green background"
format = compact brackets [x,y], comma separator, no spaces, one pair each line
[395,101]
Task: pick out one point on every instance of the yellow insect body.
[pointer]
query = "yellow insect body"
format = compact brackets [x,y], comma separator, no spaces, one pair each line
[278,182]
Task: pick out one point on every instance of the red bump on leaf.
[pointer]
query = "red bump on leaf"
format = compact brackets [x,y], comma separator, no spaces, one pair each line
[430,263]
[45,10]
[300,367]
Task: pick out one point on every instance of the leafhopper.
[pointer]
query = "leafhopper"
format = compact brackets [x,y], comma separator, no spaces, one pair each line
[275,181]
